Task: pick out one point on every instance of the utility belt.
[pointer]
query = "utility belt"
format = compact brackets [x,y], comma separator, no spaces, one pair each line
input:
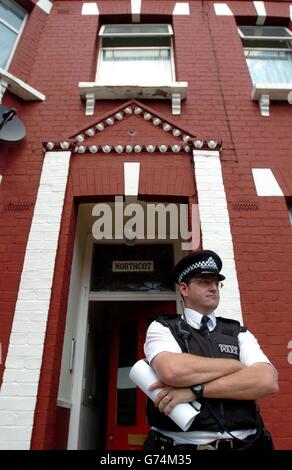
[159,442]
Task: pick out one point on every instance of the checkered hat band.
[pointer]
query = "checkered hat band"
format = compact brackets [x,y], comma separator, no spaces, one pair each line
[209,264]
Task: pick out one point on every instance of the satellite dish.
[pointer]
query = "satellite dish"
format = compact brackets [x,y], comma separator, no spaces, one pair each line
[11,127]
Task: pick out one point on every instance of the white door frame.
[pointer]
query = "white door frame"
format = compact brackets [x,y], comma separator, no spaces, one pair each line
[80,348]
[82,330]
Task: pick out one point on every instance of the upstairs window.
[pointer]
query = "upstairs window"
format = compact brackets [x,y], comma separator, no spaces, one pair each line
[136,54]
[11,20]
[268,52]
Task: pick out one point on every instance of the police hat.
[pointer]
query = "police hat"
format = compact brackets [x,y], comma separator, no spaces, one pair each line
[198,262]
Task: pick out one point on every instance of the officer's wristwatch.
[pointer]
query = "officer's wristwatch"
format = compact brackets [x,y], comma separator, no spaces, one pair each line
[198,390]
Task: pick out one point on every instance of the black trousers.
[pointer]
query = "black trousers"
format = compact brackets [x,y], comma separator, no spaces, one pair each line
[158,442]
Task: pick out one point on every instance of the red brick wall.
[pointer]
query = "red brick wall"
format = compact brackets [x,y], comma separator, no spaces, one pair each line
[59,50]
[27,50]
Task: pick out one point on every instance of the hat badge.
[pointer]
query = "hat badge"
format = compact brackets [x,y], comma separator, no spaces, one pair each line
[208,264]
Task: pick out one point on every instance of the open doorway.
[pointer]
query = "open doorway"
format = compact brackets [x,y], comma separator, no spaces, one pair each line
[113,410]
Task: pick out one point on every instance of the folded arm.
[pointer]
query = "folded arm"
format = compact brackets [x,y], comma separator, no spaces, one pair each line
[183,370]
[250,378]
[250,383]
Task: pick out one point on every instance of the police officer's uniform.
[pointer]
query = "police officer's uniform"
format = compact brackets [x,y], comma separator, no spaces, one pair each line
[224,339]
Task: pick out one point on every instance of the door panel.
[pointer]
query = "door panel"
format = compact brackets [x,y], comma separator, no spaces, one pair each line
[127,422]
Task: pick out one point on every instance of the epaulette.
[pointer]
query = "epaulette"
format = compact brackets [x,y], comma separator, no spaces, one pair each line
[228,320]
[231,326]
[165,319]
[242,329]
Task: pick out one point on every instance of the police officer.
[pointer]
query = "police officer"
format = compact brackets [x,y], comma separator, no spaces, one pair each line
[211,360]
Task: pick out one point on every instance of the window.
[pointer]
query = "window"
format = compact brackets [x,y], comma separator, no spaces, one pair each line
[135,61]
[135,54]
[11,20]
[130,277]
[268,52]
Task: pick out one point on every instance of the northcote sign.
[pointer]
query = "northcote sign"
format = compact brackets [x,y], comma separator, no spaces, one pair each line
[132,266]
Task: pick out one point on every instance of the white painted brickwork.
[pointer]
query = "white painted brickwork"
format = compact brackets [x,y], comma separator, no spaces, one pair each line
[131,178]
[89,8]
[45,5]
[24,358]
[136,6]
[261,12]
[181,9]
[266,183]
[215,227]
[222,9]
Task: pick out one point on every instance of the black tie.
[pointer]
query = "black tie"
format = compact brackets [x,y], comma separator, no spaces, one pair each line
[204,323]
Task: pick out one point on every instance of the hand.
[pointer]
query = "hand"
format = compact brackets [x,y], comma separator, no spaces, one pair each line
[168,397]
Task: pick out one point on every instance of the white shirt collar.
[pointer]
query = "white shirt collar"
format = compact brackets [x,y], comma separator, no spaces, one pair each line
[194,319]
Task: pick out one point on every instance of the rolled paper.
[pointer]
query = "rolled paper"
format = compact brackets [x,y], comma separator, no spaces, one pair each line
[183,414]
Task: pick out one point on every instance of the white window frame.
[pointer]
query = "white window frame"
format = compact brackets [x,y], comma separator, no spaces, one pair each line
[103,34]
[267,38]
[169,32]
[164,89]
[265,91]
[18,32]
